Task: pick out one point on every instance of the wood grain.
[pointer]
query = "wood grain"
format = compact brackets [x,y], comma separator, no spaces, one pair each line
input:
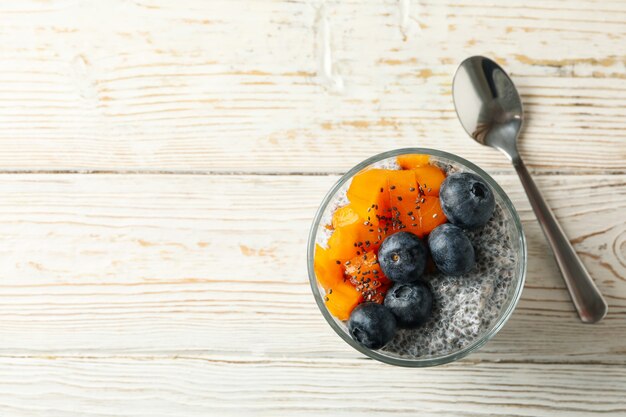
[171,281]
[188,264]
[255,387]
[302,86]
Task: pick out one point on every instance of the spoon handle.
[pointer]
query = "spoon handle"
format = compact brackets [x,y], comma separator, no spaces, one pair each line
[585,295]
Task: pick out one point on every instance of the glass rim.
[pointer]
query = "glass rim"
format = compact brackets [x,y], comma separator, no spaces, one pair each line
[428,361]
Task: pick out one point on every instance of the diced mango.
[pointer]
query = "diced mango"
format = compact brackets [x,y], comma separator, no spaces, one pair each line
[410,161]
[368,194]
[355,239]
[403,194]
[430,215]
[328,271]
[341,300]
[429,178]
[365,274]
[343,216]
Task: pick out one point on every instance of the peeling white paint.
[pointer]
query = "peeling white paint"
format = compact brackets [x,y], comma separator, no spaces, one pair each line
[408,26]
[327,74]
[81,73]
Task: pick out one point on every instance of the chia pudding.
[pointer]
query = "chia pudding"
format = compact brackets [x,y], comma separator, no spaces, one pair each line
[464,307]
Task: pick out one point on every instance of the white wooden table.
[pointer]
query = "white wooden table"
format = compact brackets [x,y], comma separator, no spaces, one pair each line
[161,162]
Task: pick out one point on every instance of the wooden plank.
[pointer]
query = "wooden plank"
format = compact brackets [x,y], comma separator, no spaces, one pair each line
[303,86]
[234,386]
[205,264]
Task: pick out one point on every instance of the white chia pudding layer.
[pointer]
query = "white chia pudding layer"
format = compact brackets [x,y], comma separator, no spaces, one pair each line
[464,307]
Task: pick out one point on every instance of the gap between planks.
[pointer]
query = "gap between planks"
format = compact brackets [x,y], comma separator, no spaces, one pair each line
[535,171]
[281,359]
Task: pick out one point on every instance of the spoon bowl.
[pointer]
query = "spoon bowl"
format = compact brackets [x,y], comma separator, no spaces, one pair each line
[490,110]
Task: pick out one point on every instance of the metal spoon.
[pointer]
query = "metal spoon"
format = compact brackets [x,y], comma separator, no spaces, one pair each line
[490,110]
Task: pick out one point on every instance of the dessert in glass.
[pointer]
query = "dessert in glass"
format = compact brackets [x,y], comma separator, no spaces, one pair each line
[416,257]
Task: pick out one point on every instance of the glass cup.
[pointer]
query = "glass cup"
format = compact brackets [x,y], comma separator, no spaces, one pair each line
[517,239]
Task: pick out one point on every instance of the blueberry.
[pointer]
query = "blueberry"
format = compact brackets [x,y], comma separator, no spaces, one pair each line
[451,249]
[372,325]
[402,257]
[466,200]
[411,303]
